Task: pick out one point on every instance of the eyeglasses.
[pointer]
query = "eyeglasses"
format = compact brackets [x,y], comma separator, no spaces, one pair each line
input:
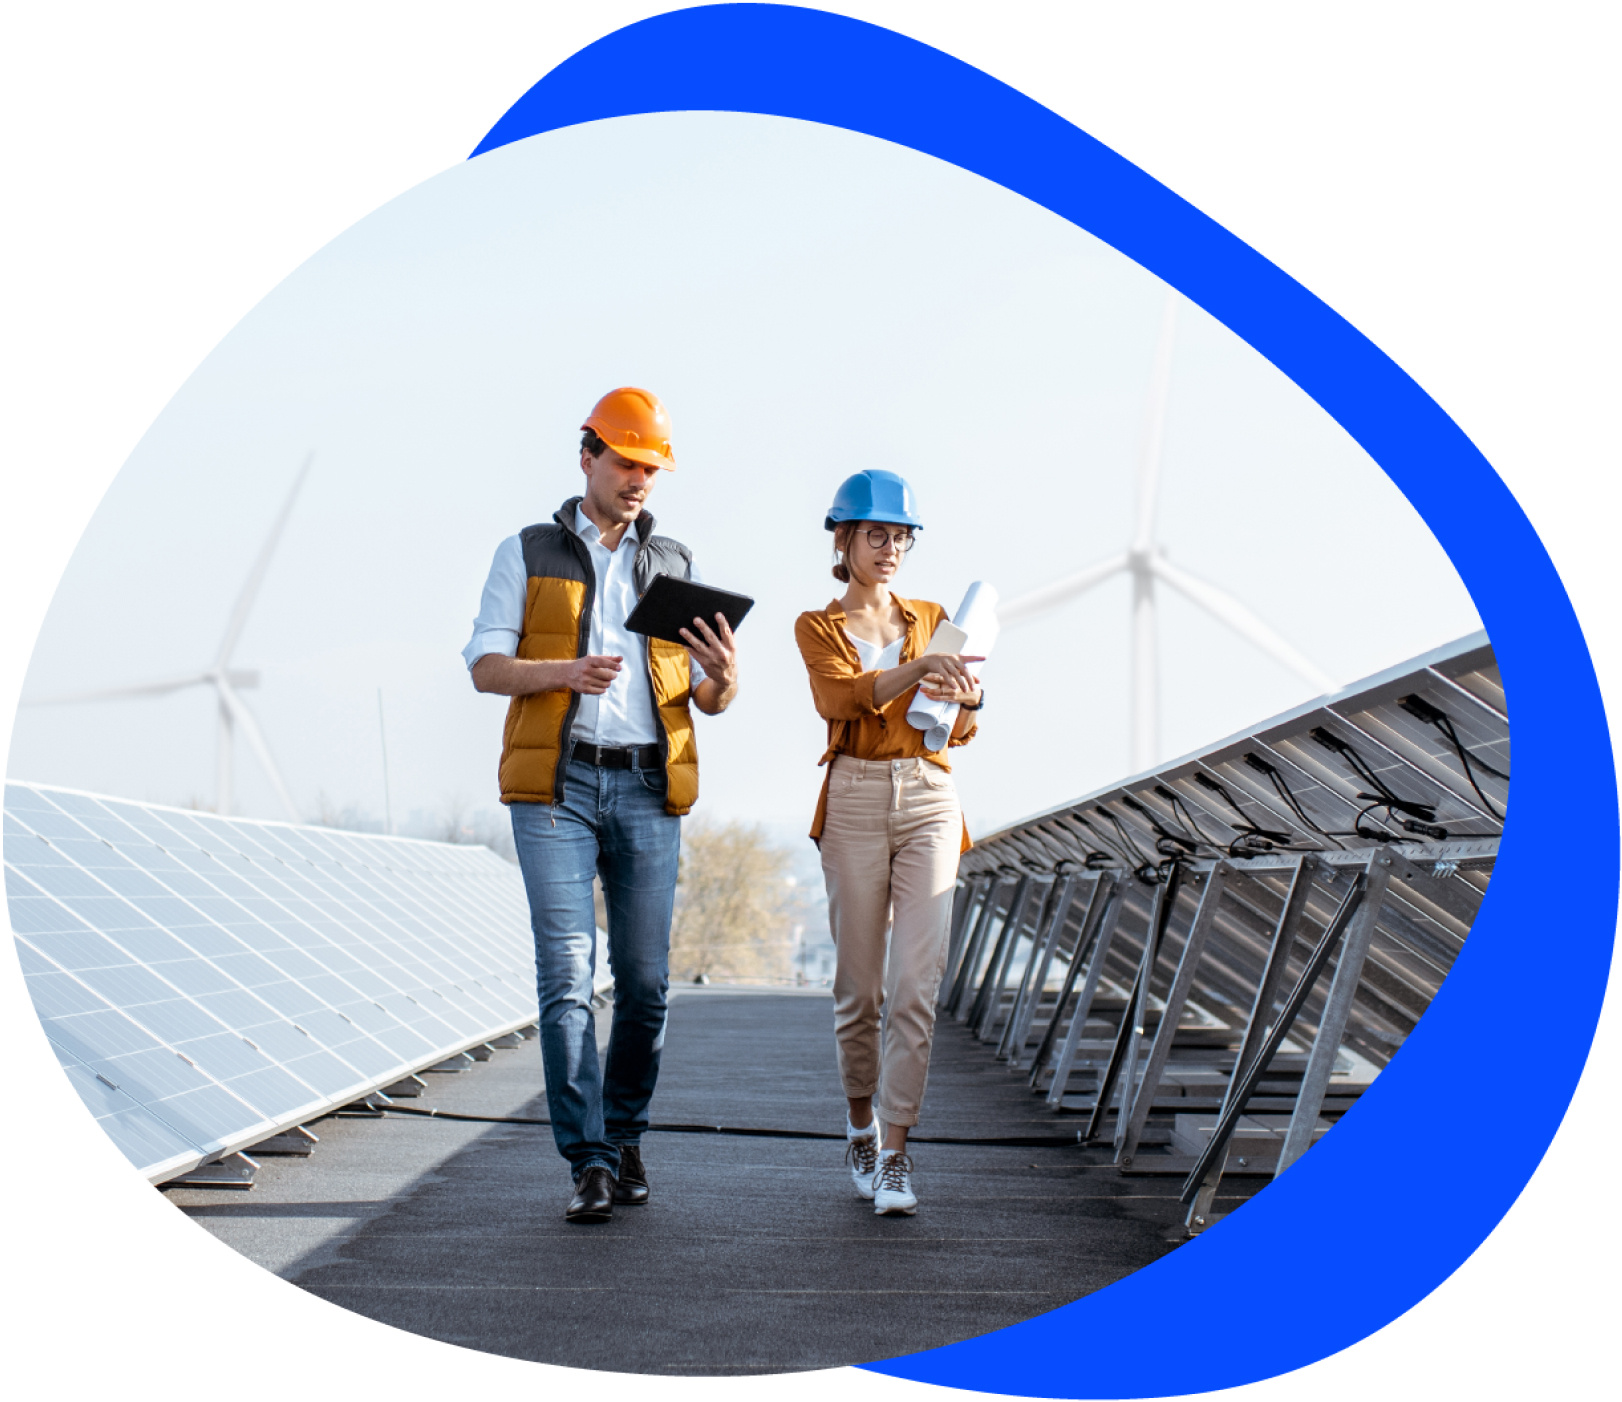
[878,539]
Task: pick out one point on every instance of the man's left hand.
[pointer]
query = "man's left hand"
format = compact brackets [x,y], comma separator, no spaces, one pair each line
[715,650]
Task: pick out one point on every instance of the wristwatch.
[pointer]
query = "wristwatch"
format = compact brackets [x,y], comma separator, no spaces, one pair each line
[964,705]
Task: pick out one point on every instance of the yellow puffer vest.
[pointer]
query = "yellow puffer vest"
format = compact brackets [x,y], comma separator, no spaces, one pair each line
[557,626]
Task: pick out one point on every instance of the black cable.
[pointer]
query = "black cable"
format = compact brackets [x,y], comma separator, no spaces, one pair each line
[1180,844]
[1374,834]
[1385,799]
[1005,1141]
[1469,757]
[1422,710]
[1252,839]
[1270,772]
[1096,860]
[1186,816]
[1146,871]
[1120,852]
[1465,758]
[1420,818]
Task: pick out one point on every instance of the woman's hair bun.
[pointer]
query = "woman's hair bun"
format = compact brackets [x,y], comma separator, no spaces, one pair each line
[842,536]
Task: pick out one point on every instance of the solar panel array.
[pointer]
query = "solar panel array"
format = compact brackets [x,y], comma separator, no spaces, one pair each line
[1205,890]
[208,982]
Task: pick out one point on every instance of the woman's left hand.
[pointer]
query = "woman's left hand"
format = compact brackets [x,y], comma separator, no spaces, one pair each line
[938,688]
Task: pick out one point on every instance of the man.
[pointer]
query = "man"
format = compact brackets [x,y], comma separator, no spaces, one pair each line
[598,764]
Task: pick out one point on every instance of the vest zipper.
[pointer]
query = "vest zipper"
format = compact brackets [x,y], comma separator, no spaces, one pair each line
[581,642]
[647,665]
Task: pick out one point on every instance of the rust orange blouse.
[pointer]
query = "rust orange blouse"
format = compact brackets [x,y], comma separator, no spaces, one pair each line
[843,693]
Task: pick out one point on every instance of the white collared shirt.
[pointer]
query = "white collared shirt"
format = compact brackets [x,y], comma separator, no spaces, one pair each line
[622,715]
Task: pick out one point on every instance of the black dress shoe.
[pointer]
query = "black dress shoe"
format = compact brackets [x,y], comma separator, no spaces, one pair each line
[593,1199]
[632,1185]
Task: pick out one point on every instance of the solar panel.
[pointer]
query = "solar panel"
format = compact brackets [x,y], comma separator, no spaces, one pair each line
[209,982]
[1259,924]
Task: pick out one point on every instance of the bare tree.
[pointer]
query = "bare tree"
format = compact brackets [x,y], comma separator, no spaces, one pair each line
[736,906]
[349,818]
[454,822]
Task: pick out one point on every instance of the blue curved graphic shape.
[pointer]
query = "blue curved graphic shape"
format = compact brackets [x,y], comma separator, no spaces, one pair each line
[1392,1202]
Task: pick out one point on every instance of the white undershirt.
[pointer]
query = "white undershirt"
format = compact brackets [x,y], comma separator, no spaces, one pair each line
[876,658]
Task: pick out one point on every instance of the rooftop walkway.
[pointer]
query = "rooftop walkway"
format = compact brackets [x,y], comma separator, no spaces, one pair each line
[754,1255]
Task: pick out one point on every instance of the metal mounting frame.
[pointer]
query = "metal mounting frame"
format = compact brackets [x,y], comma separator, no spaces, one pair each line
[1109,923]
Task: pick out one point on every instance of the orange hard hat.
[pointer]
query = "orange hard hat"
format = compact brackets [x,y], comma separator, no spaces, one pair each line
[635,425]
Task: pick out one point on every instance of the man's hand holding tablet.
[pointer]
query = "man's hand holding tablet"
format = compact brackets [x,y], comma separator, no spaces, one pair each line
[676,611]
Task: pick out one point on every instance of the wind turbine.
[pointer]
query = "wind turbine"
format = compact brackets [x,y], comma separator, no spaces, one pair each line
[233,712]
[1146,564]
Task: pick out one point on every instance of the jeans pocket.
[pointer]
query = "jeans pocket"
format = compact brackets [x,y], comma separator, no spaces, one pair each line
[654,781]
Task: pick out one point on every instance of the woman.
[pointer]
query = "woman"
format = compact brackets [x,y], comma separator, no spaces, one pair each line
[888,824]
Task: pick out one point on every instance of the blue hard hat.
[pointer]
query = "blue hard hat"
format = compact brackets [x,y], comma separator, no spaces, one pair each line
[874,495]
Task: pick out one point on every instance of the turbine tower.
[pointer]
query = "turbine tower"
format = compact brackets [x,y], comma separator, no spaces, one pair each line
[233,713]
[1146,564]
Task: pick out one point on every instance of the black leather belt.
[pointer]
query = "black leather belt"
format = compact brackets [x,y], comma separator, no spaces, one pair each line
[609,757]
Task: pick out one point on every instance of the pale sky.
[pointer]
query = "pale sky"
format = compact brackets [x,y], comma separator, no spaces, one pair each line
[808,302]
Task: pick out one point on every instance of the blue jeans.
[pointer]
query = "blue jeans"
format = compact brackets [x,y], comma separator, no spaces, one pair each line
[612,823]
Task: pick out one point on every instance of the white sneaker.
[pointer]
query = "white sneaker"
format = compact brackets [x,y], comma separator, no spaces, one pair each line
[892,1185]
[862,1154]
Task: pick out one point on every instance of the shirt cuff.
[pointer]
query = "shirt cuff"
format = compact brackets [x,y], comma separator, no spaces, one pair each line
[862,692]
[502,641]
[965,737]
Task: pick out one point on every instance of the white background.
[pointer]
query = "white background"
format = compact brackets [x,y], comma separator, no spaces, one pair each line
[1442,175]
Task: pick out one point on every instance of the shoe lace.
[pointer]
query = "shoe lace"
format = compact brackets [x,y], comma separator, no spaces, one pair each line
[893,1172]
[863,1152]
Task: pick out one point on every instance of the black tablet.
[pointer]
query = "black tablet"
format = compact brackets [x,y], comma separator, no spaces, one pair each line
[671,604]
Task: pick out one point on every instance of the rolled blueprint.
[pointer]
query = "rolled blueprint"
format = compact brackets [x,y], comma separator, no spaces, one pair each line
[972,631]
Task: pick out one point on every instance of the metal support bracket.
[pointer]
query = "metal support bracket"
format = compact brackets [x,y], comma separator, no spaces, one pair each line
[971,956]
[1110,922]
[1132,1123]
[408,1089]
[1005,938]
[1099,888]
[1042,936]
[233,1171]
[1036,972]
[370,1107]
[965,911]
[1337,1009]
[1123,1058]
[1246,1085]
[297,1142]
[1288,926]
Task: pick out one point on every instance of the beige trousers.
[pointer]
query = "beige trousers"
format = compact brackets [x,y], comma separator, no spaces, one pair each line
[890,846]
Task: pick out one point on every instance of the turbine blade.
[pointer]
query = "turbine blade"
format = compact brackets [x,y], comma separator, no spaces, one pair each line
[119,693]
[1224,607]
[1028,606]
[1154,428]
[256,576]
[250,728]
